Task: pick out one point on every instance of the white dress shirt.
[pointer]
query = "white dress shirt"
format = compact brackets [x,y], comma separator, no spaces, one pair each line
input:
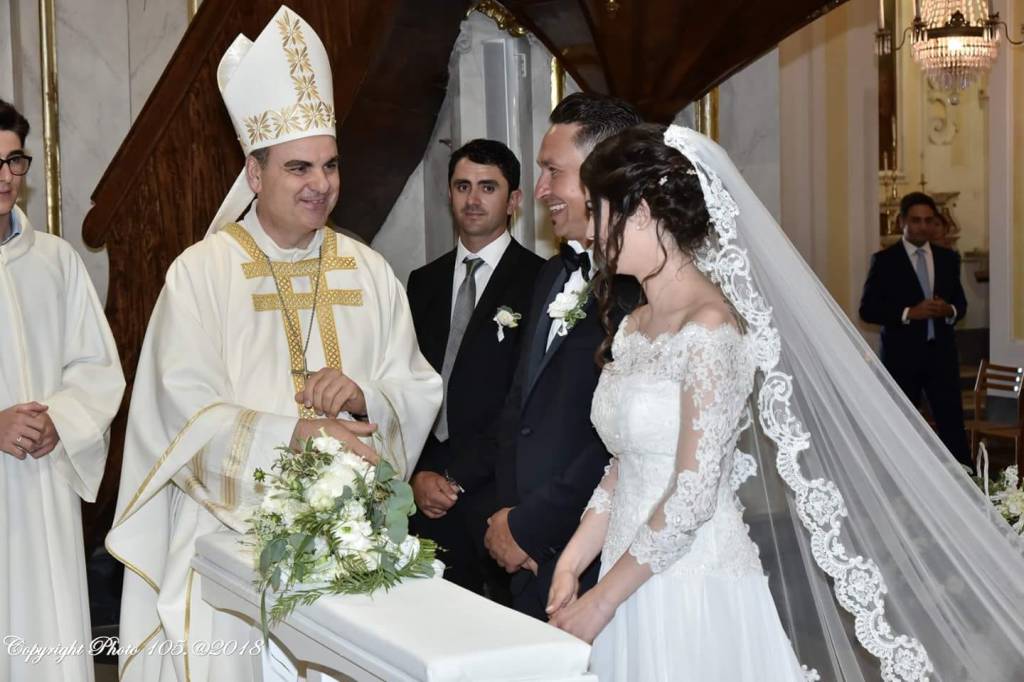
[575,282]
[929,260]
[491,256]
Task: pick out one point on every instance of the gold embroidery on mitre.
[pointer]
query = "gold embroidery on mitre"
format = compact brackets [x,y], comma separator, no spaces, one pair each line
[326,298]
[309,110]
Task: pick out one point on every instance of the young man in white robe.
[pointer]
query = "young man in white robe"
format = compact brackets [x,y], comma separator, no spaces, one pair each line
[266,332]
[60,387]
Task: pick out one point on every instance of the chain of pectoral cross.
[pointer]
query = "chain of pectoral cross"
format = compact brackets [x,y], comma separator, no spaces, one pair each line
[320,301]
[304,372]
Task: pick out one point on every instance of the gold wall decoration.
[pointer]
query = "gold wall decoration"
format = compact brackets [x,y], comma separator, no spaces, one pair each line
[505,20]
[557,82]
[51,114]
[707,115]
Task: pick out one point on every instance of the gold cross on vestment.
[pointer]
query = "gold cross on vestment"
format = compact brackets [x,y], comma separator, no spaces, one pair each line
[326,298]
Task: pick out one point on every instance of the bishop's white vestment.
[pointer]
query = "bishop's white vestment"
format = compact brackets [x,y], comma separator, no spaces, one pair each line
[213,398]
[55,349]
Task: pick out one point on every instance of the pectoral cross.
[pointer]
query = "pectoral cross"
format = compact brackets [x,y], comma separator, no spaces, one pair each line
[290,303]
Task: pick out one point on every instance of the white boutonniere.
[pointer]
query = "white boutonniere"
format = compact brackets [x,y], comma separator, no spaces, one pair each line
[506,317]
[567,308]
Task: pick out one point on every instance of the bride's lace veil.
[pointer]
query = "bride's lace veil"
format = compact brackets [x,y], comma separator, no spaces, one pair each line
[883,558]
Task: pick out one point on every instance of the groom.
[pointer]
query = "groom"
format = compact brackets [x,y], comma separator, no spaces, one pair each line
[549,458]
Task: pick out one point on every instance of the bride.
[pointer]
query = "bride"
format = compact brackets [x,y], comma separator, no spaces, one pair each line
[867,505]
[695,603]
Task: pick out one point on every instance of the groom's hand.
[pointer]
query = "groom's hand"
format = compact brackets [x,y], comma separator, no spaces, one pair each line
[501,545]
[433,493]
[329,392]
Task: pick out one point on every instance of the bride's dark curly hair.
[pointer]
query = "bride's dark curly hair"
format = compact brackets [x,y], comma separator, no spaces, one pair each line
[629,167]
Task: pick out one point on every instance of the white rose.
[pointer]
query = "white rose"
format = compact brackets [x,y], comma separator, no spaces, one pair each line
[563,303]
[273,503]
[325,443]
[354,535]
[354,462]
[353,511]
[291,510]
[409,548]
[506,318]
[1015,502]
[319,546]
[372,560]
[331,485]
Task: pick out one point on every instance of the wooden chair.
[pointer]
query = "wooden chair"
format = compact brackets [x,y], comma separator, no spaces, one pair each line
[1008,380]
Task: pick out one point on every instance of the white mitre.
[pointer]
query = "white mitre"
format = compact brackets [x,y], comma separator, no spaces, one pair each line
[276,89]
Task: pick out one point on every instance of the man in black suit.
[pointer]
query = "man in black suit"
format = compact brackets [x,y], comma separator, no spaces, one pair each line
[454,301]
[913,290]
[549,457]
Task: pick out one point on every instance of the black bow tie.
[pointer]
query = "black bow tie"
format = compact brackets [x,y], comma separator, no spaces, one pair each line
[573,261]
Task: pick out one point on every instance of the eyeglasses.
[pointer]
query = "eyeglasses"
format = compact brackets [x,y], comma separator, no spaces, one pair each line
[18,163]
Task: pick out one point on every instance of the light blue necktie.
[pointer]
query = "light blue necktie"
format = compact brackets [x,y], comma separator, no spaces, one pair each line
[921,265]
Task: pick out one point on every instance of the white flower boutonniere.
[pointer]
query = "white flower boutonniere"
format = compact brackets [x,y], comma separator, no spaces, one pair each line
[506,317]
[567,308]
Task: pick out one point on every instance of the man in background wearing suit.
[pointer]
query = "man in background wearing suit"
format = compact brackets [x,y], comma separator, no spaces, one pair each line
[455,300]
[913,290]
[549,457]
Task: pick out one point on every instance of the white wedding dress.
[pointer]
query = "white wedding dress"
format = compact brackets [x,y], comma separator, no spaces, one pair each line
[706,614]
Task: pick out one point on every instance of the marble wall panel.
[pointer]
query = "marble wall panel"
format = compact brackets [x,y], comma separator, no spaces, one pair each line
[749,127]
[92,64]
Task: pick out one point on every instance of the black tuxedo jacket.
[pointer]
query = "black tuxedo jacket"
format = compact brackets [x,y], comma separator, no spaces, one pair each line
[484,366]
[892,285]
[549,457]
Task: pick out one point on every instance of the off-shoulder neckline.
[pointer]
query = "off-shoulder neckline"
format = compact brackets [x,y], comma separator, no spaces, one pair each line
[669,335]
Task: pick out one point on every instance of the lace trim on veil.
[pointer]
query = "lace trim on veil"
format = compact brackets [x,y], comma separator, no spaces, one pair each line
[858,583]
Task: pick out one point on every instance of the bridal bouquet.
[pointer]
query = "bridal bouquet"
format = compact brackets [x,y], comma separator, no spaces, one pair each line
[1008,497]
[331,523]
[1006,493]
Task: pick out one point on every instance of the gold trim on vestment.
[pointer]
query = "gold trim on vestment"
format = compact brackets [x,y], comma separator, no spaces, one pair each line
[395,427]
[326,298]
[293,301]
[241,442]
[198,464]
[161,460]
[138,650]
[200,494]
[188,619]
[132,567]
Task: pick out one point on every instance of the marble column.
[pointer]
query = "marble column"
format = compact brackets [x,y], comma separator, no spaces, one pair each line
[154,30]
[92,63]
[749,127]
[1006,196]
[6,54]
[828,89]
[27,97]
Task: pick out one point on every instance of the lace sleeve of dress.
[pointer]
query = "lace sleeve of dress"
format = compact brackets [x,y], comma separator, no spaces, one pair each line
[713,395]
[601,500]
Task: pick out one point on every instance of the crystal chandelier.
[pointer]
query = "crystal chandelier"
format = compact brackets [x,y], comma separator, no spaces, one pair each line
[953,41]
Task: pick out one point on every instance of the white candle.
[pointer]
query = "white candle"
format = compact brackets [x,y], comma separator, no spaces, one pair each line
[881,14]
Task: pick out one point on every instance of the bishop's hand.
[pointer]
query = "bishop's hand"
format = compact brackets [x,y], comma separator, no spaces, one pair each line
[344,430]
[330,392]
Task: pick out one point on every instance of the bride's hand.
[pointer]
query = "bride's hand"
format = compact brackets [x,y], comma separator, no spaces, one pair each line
[585,617]
[348,432]
[564,587]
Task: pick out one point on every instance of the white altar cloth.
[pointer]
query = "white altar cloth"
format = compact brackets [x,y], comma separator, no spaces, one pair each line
[429,630]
